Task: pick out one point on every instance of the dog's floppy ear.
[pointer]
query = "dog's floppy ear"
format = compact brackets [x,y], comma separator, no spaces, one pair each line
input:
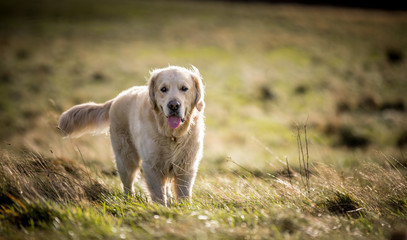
[151,88]
[199,89]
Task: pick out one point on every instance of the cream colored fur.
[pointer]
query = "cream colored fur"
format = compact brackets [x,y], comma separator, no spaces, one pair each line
[141,135]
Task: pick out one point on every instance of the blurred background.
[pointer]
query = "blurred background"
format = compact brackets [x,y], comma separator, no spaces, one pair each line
[339,68]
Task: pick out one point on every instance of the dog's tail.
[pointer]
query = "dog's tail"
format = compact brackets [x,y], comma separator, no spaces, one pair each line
[85,118]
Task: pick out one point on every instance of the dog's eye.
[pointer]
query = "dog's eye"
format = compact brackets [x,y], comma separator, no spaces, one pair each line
[184,89]
[163,89]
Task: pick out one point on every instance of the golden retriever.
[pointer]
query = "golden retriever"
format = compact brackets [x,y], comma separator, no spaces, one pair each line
[160,125]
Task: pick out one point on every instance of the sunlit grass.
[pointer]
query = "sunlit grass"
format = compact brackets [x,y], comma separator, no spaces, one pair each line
[236,203]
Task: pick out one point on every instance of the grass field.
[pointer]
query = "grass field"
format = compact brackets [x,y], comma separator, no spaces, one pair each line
[305,111]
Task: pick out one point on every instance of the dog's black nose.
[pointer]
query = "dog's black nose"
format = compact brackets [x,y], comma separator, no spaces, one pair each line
[173,105]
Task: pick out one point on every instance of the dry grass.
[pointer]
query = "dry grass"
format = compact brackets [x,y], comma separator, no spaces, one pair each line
[32,177]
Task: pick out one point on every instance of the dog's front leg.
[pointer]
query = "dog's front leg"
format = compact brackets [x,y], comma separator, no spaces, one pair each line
[155,183]
[183,184]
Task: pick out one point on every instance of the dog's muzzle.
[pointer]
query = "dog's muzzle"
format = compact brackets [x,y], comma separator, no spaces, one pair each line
[174,118]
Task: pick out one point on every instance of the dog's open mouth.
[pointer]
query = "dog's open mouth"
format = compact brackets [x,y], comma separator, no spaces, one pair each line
[174,121]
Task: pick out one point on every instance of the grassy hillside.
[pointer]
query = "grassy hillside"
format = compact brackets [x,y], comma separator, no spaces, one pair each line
[306,119]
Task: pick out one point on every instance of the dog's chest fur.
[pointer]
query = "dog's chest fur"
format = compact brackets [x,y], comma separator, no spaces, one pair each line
[177,155]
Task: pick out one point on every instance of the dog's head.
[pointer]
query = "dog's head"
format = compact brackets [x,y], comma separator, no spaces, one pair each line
[175,93]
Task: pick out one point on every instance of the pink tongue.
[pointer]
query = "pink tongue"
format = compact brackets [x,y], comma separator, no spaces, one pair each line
[174,121]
